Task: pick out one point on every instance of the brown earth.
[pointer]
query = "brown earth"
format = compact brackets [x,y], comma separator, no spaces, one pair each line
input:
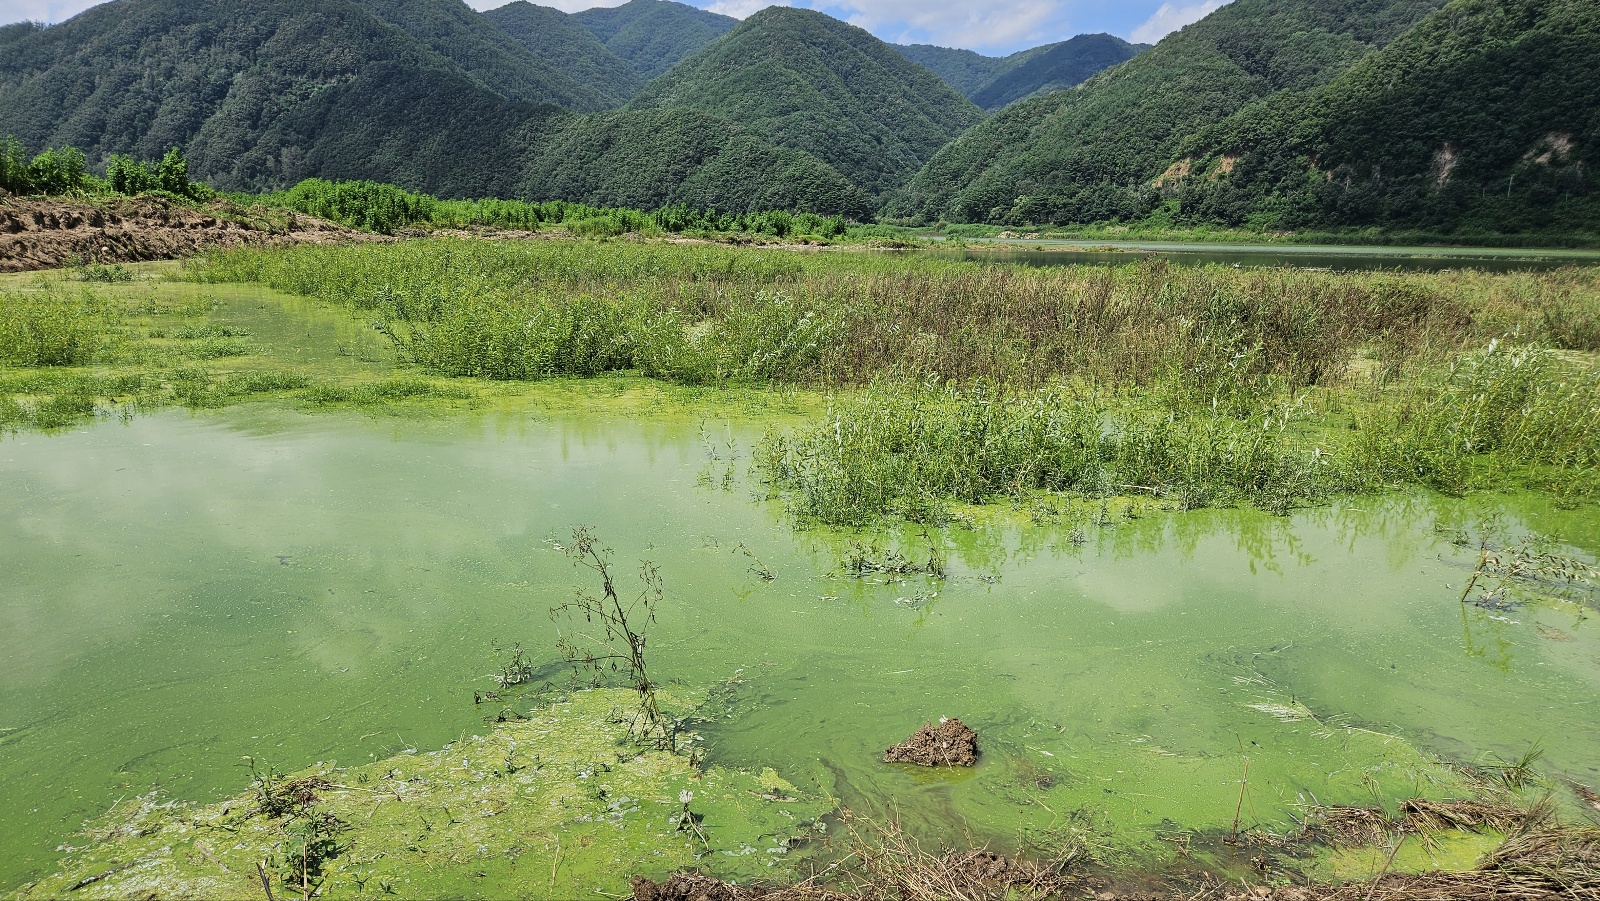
[950,743]
[51,233]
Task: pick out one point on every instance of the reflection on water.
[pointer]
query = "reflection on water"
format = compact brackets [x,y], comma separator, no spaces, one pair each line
[182,591]
[1330,257]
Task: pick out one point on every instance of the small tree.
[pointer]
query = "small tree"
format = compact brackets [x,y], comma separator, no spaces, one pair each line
[129,176]
[58,171]
[14,167]
[621,646]
[172,173]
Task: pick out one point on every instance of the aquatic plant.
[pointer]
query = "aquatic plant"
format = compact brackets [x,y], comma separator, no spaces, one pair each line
[52,327]
[621,644]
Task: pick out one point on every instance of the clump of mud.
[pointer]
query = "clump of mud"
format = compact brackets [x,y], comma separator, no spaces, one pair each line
[695,887]
[51,233]
[951,743]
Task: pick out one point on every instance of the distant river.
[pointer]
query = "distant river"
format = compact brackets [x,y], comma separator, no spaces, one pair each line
[1335,257]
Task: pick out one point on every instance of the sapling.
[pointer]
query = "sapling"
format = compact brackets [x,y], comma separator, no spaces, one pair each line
[620,646]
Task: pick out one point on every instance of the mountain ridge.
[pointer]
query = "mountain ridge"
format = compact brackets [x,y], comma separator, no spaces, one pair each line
[1089,154]
[995,82]
[812,83]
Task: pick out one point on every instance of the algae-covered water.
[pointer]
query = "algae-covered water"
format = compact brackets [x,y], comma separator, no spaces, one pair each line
[183,591]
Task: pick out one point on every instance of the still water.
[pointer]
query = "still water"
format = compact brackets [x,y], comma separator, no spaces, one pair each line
[1332,257]
[183,590]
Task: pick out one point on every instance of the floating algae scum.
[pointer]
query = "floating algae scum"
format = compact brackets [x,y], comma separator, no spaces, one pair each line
[323,579]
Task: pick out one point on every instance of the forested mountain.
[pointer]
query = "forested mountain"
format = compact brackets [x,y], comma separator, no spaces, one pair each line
[263,93]
[1479,116]
[993,82]
[965,70]
[654,35]
[1092,153]
[1483,118]
[502,63]
[1054,68]
[552,35]
[245,86]
[813,83]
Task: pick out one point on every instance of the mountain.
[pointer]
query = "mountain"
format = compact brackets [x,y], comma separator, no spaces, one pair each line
[654,35]
[812,83]
[650,158]
[264,93]
[1054,68]
[500,62]
[558,38]
[1091,153]
[993,82]
[965,70]
[231,80]
[1483,118]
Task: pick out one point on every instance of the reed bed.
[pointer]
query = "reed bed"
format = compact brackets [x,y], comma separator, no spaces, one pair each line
[705,314]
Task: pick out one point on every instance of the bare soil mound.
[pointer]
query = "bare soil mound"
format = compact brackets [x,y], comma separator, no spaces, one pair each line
[951,743]
[50,233]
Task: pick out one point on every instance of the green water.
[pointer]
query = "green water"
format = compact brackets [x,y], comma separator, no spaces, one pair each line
[182,591]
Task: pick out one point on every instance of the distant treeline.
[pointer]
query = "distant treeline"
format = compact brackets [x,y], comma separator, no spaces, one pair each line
[383,208]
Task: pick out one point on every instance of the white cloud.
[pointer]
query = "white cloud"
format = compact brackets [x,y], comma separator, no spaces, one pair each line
[1170,18]
[49,11]
[566,6]
[958,23]
[743,9]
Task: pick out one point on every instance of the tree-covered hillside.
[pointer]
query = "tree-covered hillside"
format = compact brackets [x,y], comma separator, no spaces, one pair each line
[993,82]
[497,60]
[264,93]
[558,38]
[654,35]
[1483,118]
[243,86]
[1091,153]
[965,70]
[651,158]
[1054,68]
[813,83]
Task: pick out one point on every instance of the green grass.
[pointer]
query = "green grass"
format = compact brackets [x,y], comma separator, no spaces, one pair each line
[951,382]
[1500,418]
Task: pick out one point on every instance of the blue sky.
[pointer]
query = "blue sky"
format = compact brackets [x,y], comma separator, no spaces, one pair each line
[995,26]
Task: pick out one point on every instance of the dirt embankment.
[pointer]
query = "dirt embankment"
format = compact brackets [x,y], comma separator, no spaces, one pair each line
[50,233]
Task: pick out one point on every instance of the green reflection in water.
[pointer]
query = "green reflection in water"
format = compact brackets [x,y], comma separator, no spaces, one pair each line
[181,591]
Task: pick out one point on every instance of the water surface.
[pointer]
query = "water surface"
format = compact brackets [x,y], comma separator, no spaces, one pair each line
[1332,257]
[181,591]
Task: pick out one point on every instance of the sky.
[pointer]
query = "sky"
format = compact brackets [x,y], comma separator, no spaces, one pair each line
[988,26]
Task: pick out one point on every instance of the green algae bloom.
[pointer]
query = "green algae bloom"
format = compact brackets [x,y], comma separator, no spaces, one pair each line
[558,805]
